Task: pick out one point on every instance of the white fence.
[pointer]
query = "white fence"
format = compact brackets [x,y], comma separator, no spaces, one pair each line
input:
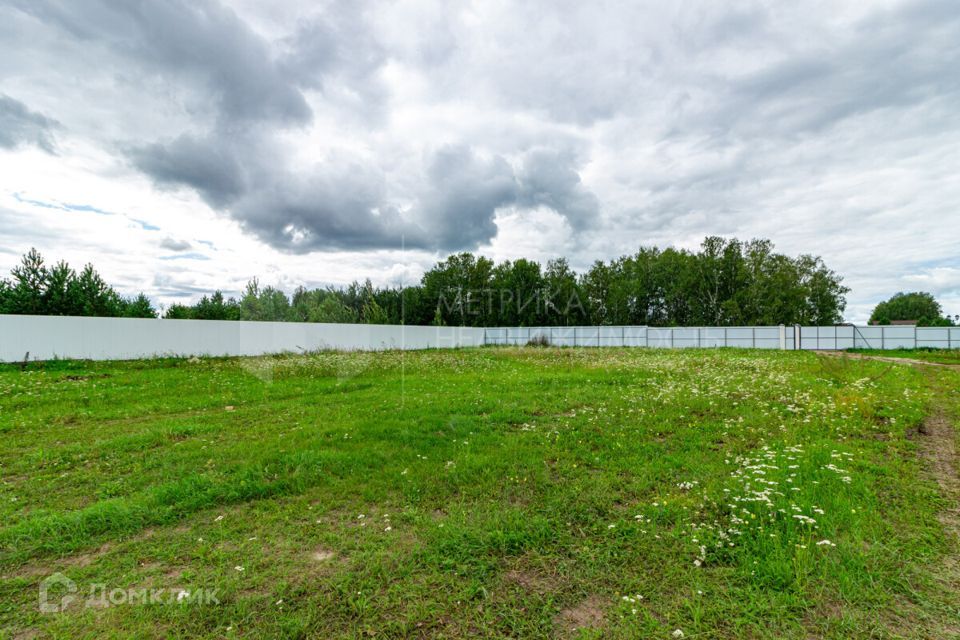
[879,337]
[781,337]
[48,337]
[639,336]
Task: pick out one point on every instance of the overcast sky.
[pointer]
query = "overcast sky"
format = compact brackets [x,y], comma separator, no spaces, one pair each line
[188,145]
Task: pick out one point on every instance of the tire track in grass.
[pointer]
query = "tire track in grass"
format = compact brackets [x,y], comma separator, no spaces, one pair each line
[937,443]
[911,361]
[67,532]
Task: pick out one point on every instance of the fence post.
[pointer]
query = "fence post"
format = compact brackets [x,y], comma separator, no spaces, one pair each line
[671,337]
[914,336]
[623,338]
[883,338]
[783,338]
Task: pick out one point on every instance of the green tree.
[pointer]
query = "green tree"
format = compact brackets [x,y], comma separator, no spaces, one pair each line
[30,279]
[460,288]
[5,296]
[563,300]
[824,295]
[598,286]
[332,310]
[95,297]
[59,298]
[371,312]
[177,311]
[675,276]
[518,289]
[138,307]
[918,306]
[216,307]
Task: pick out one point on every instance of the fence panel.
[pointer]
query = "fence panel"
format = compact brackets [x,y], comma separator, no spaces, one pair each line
[495,335]
[635,336]
[518,335]
[809,337]
[588,336]
[936,337]
[563,336]
[685,337]
[844,337]
[868,338]
[610,337]
[659,337]
[742,337]
[899,337]
[767,337]
[826,337]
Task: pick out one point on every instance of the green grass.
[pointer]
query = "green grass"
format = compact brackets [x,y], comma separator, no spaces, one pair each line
[927,354]
[488,492]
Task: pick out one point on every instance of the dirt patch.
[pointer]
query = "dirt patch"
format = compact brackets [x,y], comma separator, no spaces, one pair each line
[938,445]
[589,614]
[322,555]
[81,378]
[532,581]
[61,564]
[86,559]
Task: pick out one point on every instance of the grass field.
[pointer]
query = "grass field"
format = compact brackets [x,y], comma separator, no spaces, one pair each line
[614,493]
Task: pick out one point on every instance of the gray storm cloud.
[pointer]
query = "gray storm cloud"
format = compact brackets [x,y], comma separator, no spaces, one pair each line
[364,126]
[251,92]
[19,126]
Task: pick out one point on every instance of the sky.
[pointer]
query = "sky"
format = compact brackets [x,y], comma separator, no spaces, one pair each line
[184,146]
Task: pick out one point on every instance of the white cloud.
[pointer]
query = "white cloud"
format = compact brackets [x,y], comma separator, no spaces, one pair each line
[308,143]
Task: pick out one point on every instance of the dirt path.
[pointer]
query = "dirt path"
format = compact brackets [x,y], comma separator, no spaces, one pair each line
[938,446]
[939,442]
[863,356]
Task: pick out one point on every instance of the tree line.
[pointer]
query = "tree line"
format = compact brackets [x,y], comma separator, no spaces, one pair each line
[36,289]
[726,282]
